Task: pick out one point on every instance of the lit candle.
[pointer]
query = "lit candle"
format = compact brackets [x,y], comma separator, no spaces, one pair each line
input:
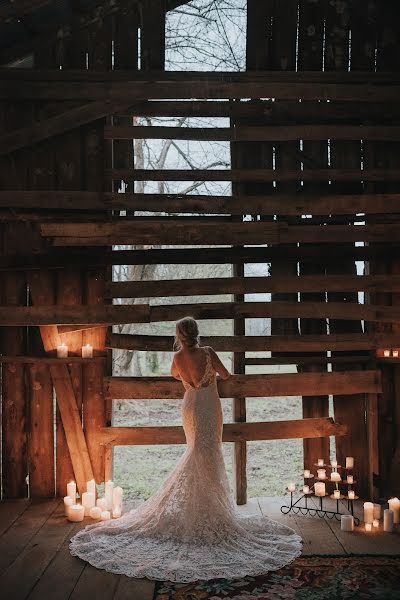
[319,488]
[334,464]
[117,497]
[347,523]
[320,462]
[375,523]
[321,473]
[62,351]
[108,493]
[335,476]
[394,505]
[307,474]
[351,495]
[377,511]
[386,353]
[105,515]
[368,526]
[368,511]
[350,479]
[87,351]
[88,501]
[116,513]
[68,501]
[291,487]
[349,462]
[395,353]
[336,494]
[388,520]
[306,489]
[101,503]
[76,512]
[71,490]
[95,513]
[91,487]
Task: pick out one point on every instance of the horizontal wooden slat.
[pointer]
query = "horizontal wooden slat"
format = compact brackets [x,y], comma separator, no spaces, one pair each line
[367,358]
[276,204]
[252,285]
[100,314]
[275,343]
[191,232]
[256,134]
[95,257]
[251,386]
[257,175]
[232,432]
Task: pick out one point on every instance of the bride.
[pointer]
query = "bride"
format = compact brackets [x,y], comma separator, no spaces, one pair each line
[190,529]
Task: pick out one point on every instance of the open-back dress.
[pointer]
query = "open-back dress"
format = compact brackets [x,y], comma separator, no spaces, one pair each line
[190,529]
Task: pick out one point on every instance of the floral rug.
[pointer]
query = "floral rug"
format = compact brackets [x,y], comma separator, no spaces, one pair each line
[307,578]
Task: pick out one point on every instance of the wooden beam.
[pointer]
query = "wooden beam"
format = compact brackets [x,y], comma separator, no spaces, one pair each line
[277,133]
[195,232]
[82,317]
[286,384]
[252,285]
[72,423]
[273,204]
[232,432]
[42,130]
[275,343]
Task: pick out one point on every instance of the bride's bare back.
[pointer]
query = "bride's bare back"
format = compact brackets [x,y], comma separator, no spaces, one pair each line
[189,364]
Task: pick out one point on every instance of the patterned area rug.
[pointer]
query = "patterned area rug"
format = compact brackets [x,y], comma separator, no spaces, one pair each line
[307,578]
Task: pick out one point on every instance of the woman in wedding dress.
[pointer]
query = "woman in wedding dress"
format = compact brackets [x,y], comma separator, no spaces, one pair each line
[190,529]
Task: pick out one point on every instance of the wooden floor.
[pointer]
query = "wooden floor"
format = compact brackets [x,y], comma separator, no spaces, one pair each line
[35,562]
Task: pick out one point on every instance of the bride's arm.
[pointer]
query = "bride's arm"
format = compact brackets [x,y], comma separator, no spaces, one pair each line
[174,370]
[218,365]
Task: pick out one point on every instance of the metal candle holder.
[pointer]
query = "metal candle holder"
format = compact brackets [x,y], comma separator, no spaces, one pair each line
[321,512]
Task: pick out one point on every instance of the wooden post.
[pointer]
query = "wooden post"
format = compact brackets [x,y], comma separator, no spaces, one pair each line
[152,39]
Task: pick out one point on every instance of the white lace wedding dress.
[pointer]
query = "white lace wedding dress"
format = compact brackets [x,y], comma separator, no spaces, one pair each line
[190,529]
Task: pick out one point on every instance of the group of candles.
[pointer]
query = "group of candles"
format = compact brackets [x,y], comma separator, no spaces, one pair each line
[62,351]
[101,509]
[388,353]
[372,515]
[320,487]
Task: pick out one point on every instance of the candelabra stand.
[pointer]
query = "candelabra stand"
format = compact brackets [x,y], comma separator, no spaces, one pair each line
[296,508]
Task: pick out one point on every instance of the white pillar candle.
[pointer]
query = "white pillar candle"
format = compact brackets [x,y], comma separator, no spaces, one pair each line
[95,513]
[395,353]
[68,501]
[394,505]
[386,353]
[307,474]
[108,494]
[321,473]
[71,490]
[306,489]
[336,494]
[291,487]
[334,464]
[319,488]
[377,511]
[116,513]
[88,501]
[117,497]
[350,479]
[368,512]
[368,526]
[351,494]
[388,520]
[349,462]
[62,351]
[105,515]
[335,476]
[87,351]
[347,523]
[91,486]
[320,462]
[76,512]
[101,503]
[375,523]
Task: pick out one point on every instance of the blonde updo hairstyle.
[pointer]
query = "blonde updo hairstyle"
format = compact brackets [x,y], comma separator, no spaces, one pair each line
[188,331]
